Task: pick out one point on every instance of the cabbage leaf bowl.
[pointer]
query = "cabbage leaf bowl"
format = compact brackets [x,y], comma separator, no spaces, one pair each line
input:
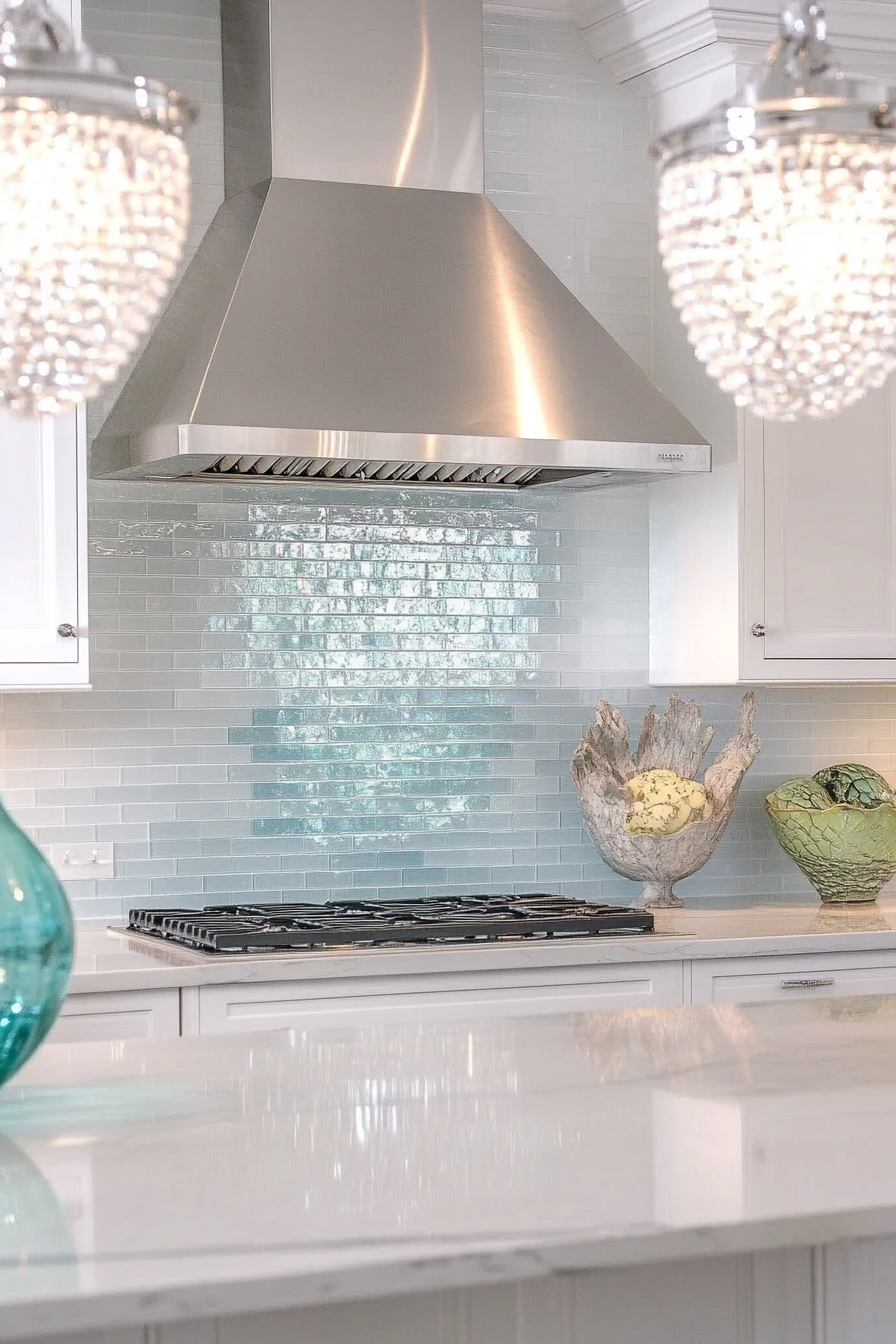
[840,830]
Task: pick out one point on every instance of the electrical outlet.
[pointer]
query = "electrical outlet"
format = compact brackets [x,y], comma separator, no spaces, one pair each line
[82,863]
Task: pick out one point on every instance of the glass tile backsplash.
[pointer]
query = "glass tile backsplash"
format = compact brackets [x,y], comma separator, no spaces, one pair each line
[313,690]
[302,692]
[396,634]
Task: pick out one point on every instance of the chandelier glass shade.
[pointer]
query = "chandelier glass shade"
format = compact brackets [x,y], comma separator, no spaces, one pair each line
[94,211]
[777,231]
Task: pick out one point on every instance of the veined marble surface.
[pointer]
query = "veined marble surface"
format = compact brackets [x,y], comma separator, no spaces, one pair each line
[165,1180]
[110,961]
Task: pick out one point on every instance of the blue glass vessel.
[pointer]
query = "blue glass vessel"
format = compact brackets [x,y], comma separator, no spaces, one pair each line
[36,947]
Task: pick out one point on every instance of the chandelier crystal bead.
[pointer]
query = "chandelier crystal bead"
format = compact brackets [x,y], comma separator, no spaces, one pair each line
[94,211]
[777,231]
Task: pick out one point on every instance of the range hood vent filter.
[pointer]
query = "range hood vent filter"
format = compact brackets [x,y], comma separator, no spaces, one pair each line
[334,469]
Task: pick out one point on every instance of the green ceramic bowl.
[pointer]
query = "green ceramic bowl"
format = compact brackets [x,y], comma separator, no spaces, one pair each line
[847,852]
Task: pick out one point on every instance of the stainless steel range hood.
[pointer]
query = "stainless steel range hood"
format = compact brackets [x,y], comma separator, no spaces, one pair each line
[358,310]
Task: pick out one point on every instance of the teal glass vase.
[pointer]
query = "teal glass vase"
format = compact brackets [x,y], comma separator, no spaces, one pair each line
[36,947]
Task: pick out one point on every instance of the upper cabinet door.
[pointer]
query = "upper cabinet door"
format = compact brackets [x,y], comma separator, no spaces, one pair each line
[42,552]
[784,572]
[43,537]
[830,534]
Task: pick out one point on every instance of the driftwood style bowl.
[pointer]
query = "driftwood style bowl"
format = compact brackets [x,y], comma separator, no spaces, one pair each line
[678,741]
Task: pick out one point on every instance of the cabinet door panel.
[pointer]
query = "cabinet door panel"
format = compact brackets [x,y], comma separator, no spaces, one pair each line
[133,1015]
[43,571]
[830,534]
[39,521]
[791,979]
[266,1007]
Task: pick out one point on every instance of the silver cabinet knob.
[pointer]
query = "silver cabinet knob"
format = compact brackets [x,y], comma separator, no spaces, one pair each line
[67,631]
[757,631]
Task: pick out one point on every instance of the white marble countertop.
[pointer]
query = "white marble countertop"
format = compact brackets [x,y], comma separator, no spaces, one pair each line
[164,1180]
[109,961]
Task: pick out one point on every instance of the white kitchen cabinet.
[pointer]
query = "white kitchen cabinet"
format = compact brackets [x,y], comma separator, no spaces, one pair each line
[785,979]
[783,568]
[819,545]
[43,537]
[129,1016]
[441,997]
[43,552]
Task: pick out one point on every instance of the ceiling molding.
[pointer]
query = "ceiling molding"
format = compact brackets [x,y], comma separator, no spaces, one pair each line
[657,46]
[691,68]
[635,38]
[638,39]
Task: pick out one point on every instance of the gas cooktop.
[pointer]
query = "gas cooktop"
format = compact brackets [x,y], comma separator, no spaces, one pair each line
[456,919]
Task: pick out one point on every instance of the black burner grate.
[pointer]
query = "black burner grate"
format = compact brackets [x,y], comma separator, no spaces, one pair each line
[460,919]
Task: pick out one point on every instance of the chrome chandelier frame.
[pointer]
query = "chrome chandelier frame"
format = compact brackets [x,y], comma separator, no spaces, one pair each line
[800,91]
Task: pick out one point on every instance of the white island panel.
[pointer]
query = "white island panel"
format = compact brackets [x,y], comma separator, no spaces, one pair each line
[649,1167]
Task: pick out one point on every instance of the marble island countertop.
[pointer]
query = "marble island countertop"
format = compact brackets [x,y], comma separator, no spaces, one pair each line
[164,1180]
[109,960]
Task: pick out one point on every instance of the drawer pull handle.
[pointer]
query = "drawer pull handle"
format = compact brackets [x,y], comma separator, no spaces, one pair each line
[807,984]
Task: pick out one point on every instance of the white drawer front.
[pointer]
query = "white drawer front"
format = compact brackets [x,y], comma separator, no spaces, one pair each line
[237,1008]
[130,1016]
[787,979]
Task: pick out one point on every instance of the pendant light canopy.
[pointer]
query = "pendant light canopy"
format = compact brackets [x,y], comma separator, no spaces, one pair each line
[94,210]
[777,230]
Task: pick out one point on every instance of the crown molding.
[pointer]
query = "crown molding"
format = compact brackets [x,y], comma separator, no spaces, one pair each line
[692,69]
[638,40]
[655,46]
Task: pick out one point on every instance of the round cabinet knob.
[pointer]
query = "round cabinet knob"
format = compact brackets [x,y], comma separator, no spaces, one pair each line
[757,631]
[67,631]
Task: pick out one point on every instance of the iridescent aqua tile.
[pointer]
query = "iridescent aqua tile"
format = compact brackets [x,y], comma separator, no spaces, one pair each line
[370,752]
[393,642]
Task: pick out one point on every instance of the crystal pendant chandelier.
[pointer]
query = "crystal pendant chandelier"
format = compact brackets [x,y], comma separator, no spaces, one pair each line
[94,209]
[777,230]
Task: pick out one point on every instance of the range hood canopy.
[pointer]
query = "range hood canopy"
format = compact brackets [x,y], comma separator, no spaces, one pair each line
[358,310]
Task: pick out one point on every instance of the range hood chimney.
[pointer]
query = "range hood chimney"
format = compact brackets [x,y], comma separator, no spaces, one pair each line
[358,310]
